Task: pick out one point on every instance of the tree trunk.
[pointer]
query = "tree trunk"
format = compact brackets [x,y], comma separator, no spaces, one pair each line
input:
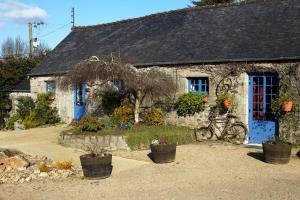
[137,107]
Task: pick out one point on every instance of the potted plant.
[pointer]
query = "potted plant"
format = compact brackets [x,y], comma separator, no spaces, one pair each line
[286,101]
[162,151]
[225,101]
[97,163]
[205,99]
[277,151]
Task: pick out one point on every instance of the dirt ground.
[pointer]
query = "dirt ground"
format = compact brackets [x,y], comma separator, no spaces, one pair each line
[201,171]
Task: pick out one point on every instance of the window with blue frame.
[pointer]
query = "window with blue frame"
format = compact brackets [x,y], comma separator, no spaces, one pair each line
[198,85]
[118,84]
[50,86]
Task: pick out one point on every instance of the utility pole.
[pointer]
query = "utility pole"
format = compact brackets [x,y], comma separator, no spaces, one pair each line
[73,18]
[30,39]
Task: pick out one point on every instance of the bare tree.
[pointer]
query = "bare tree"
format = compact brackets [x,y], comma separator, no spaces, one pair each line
[139,83]
[20,47]
[14,47]
[7,47]
[42,49]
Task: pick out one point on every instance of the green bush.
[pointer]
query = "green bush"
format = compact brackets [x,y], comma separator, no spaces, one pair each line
[89,123]
[10,125]
[32,120]
[25,106]
[124,114]
[190,103]
[142,136]
[109,123]
[154,117]
[43,113]
[110,100]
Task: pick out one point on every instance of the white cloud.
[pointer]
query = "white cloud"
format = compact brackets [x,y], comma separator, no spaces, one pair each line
[20,12]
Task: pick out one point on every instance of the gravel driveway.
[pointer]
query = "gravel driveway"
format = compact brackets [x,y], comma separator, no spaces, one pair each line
[201,171]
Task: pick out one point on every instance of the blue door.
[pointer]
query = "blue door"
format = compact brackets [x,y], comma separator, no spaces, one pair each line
[79,101]
[263,88]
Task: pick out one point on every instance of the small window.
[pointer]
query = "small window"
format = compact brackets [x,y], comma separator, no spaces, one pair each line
[79,95]
[50,86]
[119,85]
[198,85]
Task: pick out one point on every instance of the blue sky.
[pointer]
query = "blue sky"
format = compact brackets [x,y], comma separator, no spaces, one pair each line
[15,15]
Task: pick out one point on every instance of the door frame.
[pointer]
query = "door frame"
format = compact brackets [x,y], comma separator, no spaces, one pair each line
[81,107]
[250,100]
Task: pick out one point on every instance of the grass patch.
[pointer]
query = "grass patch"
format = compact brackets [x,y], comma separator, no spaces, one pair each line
[142,136]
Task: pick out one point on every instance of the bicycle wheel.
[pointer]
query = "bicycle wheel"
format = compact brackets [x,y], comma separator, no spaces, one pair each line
[203,133]
[237,133]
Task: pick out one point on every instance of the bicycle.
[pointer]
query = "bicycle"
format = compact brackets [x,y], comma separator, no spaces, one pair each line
[234,132]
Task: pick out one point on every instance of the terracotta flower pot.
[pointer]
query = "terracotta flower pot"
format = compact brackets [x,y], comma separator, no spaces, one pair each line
[287,106]
[205,99]
[228,103]
[52,97]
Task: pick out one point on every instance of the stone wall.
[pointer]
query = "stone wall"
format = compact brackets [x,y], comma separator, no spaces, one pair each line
[109,142]
[64,98]
[239,76]
[14,100]
[237,72]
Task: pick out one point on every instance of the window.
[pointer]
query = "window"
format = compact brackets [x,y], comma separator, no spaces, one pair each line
[79,95]
[118,84]
[198,85]
[50,86]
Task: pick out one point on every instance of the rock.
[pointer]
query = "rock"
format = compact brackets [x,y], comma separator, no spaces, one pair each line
[16,162]
[44,174]
[44,158]
[3,156]
[22,180]
[7,152]
[28,179]
[18,126]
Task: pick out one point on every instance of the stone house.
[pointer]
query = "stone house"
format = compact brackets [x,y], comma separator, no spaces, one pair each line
[251,45]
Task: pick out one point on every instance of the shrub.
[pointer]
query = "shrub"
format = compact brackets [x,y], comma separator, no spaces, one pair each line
[142,138]
[24,107]
[43,113]
[32,120]
[46,114]
[64,165]
[190,103]
[109,123]
[124,114]
[89,123]
[154,117]
[110,100]
[10,125]
[44,168]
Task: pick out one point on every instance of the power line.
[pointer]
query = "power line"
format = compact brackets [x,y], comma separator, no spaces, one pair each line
[49,33]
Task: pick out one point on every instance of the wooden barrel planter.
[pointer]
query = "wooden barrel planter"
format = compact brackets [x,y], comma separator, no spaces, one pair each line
[277,153]
[96,167]
[163,153]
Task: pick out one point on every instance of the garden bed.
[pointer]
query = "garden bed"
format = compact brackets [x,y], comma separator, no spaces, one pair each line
[138,137]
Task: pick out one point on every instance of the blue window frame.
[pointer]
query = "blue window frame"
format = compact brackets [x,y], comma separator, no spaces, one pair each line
[264,91]
[118,84]
[50,86]
[198,85]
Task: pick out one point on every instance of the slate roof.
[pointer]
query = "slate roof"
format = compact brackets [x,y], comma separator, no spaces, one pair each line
[261,31]
[22,86]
